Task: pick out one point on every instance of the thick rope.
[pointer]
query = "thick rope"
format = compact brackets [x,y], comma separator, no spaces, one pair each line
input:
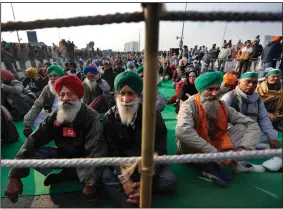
[191,158]
[139,16]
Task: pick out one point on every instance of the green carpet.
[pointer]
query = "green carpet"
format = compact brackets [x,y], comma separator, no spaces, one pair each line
[246,190]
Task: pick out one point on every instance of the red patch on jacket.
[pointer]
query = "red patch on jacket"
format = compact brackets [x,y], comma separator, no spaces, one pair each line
[69,132]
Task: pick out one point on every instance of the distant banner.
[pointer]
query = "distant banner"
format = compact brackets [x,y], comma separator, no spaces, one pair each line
[32,37]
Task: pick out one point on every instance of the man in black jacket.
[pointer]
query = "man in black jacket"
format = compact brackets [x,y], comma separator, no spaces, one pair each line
[122,129]
[271,53]
[77,133]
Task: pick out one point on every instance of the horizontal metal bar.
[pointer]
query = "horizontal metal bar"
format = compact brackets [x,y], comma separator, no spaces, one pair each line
[139,16]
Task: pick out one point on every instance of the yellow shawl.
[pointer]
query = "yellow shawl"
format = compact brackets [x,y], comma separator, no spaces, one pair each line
[270,95]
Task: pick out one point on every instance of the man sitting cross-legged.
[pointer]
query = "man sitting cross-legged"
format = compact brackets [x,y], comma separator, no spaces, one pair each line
[122,129]
[246,101]
[202,127]
[77,133]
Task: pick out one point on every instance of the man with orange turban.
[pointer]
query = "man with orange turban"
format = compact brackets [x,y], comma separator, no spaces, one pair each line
[230,81]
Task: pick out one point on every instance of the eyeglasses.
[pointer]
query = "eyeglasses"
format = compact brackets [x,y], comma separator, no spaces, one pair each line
[254,82]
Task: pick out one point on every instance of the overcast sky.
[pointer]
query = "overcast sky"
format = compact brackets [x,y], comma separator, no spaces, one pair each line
[114,36]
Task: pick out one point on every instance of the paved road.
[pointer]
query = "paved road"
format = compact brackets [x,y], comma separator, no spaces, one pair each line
[66,200]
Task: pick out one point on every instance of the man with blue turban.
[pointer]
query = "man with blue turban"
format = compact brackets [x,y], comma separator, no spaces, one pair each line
[96,90]
[202,127]
[131,66]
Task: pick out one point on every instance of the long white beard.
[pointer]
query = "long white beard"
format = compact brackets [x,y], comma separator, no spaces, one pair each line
[91,84]
[68,113]
[210,106]
[51,87]
[127,111]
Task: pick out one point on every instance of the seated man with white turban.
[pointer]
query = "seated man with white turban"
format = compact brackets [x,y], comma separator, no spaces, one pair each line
[122,129]
[96,90]
[77,133]
[271,92]
[202,127]
[246,101]
[47,101]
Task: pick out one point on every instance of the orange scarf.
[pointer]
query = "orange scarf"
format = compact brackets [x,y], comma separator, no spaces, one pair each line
[270,95]
[220,139]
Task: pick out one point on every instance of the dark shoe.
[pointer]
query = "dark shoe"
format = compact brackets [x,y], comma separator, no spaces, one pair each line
[215,179]
[210,171]
[222,174]
[52,179]
[65,175]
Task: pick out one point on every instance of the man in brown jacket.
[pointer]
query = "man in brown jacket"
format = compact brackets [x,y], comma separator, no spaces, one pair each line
[96,91]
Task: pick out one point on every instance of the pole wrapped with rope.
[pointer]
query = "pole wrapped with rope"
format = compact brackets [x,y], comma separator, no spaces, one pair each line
[151,14]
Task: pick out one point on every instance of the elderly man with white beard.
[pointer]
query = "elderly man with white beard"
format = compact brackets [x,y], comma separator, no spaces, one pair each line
[47,101]
[122,129]
[76,131]
[202,127]
[96,90]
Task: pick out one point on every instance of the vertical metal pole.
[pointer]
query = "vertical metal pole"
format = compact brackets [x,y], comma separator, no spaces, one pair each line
[15,21]
[151,14]
[224,34]
[181,45]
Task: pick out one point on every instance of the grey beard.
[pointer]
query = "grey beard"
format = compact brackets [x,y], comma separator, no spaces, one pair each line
[210,106]
[91,84]
[68,114]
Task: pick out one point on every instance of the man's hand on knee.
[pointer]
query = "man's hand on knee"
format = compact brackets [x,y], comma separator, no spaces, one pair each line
[274,144]
[14,189]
